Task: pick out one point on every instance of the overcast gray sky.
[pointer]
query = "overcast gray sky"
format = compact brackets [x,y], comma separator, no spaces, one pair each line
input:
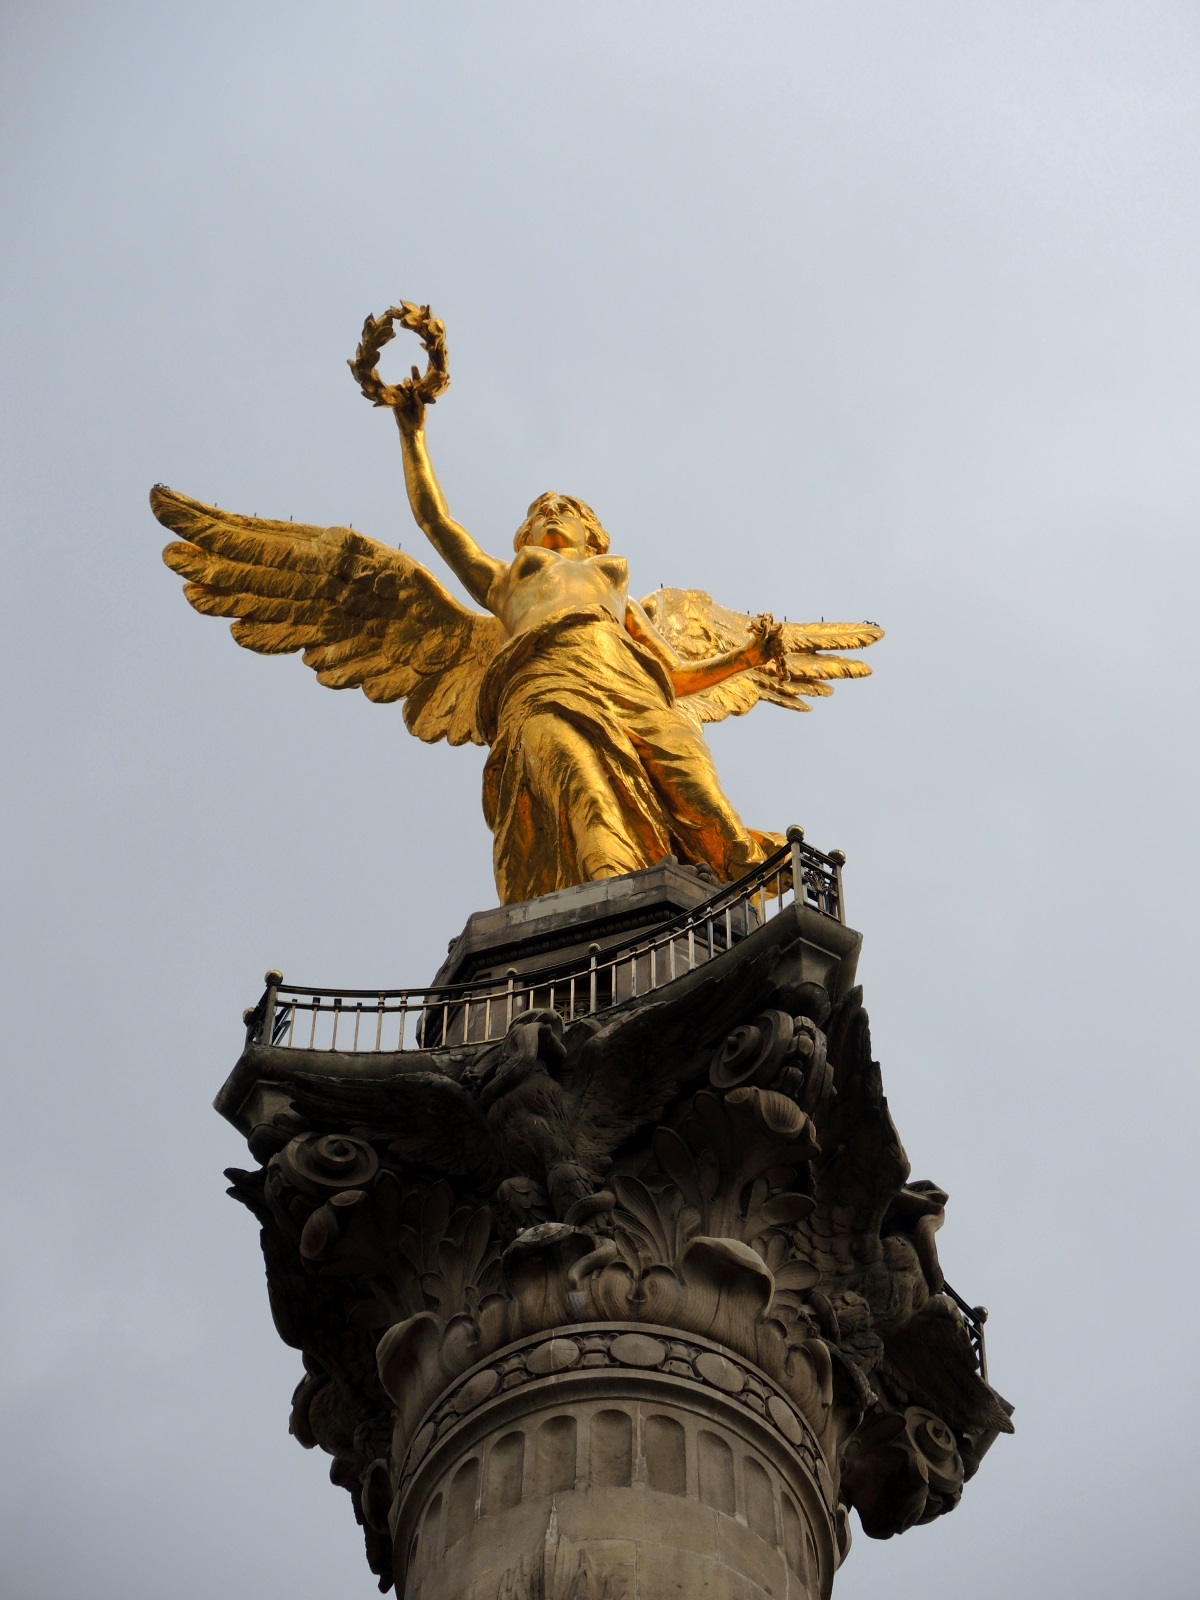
[846,310]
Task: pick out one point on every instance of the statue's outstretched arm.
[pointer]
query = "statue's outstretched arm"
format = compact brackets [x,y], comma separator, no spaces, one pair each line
[691,677]
[477,570]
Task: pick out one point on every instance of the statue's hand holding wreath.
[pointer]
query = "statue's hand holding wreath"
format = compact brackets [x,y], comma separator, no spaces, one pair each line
[766,641]
[408,398]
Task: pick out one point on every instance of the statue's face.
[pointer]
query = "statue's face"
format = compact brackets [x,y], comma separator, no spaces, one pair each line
[557,527]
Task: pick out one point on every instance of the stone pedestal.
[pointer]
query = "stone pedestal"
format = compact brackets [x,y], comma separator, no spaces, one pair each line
[625,1307]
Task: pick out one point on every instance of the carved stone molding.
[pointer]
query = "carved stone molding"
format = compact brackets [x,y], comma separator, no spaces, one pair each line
[664,1484]
[623,1358]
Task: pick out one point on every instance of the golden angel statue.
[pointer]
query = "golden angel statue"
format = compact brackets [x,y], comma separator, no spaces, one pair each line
[591,702]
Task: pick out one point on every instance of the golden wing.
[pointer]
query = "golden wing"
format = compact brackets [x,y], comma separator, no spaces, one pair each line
[695,627]
[366,616]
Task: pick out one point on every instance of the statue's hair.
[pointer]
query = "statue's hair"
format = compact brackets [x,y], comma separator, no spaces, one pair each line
[597,537]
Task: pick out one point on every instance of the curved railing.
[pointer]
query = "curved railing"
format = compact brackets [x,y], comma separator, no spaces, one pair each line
[299,1016]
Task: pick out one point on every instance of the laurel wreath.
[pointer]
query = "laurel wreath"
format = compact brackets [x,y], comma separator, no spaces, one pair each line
[378,331]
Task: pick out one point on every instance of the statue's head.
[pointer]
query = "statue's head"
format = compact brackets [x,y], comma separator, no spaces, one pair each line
[560,522]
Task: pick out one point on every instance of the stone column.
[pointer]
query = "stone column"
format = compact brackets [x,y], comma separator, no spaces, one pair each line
[626,1308]
[619,1459]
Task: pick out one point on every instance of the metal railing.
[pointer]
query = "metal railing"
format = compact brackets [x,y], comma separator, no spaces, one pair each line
[298,1016]
[974,1317]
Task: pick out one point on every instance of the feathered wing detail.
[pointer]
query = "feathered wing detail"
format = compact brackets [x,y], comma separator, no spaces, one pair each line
[434,1120]
[366,616]
[695,627]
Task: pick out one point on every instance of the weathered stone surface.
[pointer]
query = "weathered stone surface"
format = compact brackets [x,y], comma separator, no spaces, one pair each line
[626,1308]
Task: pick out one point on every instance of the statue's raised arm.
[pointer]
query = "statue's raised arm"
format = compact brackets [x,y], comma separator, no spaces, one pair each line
[477,571]
[408,399]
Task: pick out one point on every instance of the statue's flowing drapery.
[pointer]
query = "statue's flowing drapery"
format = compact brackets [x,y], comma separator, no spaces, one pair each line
[594,771]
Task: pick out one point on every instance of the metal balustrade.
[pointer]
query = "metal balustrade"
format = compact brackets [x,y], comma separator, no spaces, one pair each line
[298,1016]
[974,1317]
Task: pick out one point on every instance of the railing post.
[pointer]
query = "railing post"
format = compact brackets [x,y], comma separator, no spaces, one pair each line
[838,857]
[795,837]
[512,978]
[593,957]
[974,1317]
[980,1313]
[272,980]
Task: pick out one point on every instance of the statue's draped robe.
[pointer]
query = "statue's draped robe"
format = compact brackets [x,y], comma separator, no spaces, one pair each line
[593,770]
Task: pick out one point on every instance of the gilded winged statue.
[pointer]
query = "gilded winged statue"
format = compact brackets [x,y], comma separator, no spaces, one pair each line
[591,702]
